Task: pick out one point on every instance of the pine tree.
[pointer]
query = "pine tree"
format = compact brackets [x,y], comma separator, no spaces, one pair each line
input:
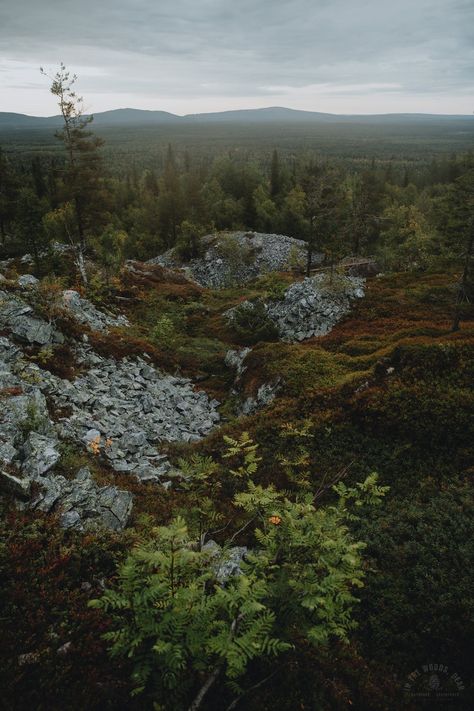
[83,173]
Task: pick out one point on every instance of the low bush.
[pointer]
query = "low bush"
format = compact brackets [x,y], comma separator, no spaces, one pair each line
[252,324]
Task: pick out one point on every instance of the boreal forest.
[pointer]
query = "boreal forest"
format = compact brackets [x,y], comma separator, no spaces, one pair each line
[236,413]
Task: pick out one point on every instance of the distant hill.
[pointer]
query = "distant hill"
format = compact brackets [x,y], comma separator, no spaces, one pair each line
[12,120]
[272,114]
[134,117]
[266,115]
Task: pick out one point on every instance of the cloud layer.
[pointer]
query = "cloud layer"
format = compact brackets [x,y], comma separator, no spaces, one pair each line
[185,56]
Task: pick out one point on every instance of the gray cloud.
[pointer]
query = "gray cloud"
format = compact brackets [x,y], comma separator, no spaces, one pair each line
[193,55]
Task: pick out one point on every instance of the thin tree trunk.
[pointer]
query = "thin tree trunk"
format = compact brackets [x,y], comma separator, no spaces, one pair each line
[211,679]
[81,266]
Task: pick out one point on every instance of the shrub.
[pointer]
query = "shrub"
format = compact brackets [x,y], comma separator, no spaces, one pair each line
[185,624]
[296,259]
[164,332]
[229,249]
[251,322]
[51,649]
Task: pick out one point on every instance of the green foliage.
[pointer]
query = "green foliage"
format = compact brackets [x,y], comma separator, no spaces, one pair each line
[34,421]
[296,262]
[188,245]
[273,285]
[183,627]
[428,535]
[245,447]
[28,225]
[407,239]
[164,332]
[229,249]
[177,621]
[109,246]
[251,323]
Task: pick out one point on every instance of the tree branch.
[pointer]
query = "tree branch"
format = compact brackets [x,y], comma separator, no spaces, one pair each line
[248,691]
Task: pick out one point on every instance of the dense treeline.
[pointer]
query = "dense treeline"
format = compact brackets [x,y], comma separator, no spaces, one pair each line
[372,208]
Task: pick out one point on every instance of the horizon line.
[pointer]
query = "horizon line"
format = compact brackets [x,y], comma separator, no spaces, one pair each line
[256,108]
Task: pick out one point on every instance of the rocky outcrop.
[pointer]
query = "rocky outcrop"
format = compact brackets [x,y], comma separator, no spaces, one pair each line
[40,455]
[83,311]
[313,306]
[238,257]
[18,317]
[310,307]
[265,394]
[81,504]
[235,359]
[27,281]
[23,406]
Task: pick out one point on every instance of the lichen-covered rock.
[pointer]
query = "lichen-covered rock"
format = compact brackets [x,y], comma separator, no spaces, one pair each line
[82,504]
[313,306]
[41,455]
[226,562]
[238,257]
[85,312]
[124,409]
[27,281]
[266,393]
[18,317]
[310,307]
[235,359]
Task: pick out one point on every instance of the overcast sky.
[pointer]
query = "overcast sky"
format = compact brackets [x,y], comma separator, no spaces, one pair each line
[187,56]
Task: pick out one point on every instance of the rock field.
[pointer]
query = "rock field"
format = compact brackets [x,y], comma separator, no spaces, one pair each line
[124,411]
[121,410]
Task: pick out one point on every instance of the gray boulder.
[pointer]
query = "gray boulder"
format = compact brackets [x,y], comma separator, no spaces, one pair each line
[310,307]
[266,393]
[226,562]
[40,454]
[235,359]
[27,281]
[84,505]
[86,313]
[18,316]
